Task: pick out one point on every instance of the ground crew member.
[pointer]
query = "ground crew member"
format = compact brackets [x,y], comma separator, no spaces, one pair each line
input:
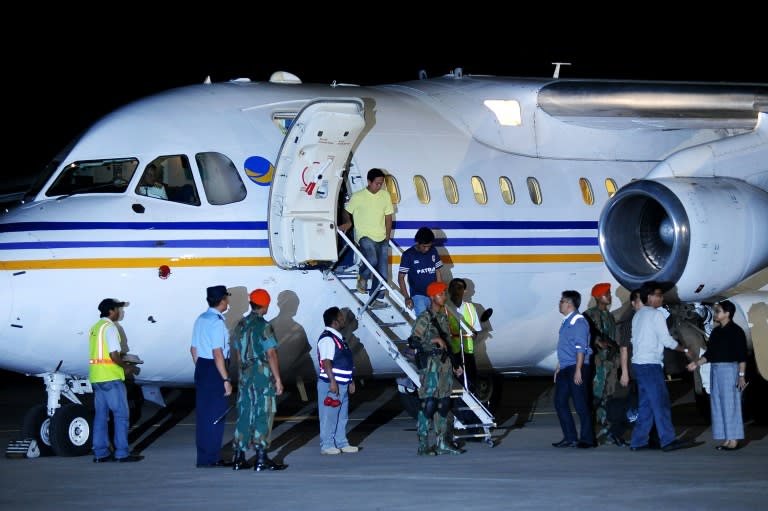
[459,337]
[106,372]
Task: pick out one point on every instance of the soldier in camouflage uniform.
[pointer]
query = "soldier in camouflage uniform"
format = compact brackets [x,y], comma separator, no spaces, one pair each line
[431,331]
[259,384]
[606,356]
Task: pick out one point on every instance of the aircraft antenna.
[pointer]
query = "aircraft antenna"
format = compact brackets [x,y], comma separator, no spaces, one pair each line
[422,74]
[207,80]
[557,68]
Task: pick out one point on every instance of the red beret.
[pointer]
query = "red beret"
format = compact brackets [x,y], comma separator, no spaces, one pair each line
[259,297]
[601,289]
[435,288]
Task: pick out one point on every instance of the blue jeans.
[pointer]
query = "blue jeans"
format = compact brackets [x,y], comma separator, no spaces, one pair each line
[420,303]
[565,390]
[333,420]
[377,253]
[110,395]
[653,405]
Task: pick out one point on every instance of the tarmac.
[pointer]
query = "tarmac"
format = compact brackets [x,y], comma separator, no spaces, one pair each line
[521,471]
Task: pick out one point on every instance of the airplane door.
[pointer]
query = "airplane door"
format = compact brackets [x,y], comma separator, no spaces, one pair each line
[308,175]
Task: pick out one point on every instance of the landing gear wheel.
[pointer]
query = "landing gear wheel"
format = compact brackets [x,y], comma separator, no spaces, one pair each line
[71,430]
[36,425]
[488,389]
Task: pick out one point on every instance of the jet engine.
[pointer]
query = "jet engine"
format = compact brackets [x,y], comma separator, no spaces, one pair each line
[704,235]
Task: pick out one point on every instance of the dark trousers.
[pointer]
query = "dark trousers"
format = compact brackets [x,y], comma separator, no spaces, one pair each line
[210,404]
[565,391]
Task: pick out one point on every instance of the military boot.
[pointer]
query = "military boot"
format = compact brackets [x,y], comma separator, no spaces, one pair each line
[445,447]
[239,462]
[424,448]
[264,463]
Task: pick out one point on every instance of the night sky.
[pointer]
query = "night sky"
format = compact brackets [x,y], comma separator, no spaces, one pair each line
[61,77]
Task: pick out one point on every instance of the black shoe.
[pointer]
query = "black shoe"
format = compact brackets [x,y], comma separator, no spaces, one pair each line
[104,459]
[129,459]
[240,462]
[264,463]
[585,445]
[564,443]
[677,444]
[719,448]
[641,448]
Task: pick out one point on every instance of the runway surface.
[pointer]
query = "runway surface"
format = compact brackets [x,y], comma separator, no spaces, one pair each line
[523,471]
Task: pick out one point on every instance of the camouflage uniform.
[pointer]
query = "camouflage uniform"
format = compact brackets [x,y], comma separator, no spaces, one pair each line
[606,366]
[436,384]
[256,403]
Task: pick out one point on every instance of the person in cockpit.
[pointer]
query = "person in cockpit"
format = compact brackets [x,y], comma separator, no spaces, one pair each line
[150,185]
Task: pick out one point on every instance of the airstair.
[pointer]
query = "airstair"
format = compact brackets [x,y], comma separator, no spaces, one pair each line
[391,326]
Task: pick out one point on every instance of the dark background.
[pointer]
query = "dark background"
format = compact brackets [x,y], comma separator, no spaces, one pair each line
[64,67]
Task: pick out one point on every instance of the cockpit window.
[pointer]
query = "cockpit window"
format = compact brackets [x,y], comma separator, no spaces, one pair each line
[169,178]
[221,180]
[94,176]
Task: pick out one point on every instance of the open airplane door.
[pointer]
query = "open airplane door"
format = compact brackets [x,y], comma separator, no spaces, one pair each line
[304,193]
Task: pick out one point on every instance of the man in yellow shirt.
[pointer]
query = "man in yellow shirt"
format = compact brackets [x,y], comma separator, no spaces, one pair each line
[372,211]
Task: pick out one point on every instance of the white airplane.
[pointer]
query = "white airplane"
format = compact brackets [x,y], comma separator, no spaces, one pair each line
[533,186]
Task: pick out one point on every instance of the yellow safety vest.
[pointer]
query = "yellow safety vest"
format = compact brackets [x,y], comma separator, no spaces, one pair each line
[470,316]
[101,367]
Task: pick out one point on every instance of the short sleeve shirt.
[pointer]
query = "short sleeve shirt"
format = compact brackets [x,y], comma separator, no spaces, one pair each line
[210,332]
[420,268]
[369,210]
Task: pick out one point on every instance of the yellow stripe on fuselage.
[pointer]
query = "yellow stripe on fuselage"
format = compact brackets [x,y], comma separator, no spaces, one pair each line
[150,262]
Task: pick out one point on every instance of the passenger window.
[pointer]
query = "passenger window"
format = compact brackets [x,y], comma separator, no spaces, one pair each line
[586,191]
[451,190]
[478,188]
[221,180]
[534,190]
[610,187]
[507,192]
[392,188]
[94,176]
[422,188]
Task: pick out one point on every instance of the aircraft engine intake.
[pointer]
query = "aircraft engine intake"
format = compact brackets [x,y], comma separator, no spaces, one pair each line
[704,235]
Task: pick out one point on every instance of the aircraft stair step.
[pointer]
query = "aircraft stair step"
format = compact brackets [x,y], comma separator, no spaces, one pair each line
[22,449]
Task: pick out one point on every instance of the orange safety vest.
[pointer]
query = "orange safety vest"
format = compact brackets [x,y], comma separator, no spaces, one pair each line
[101,367]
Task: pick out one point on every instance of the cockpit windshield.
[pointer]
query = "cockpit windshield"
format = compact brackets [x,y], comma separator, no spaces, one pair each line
[95,176]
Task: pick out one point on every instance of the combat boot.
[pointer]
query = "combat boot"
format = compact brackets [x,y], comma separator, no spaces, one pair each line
[424,448]
[264,463]
[445,447]
[239,462]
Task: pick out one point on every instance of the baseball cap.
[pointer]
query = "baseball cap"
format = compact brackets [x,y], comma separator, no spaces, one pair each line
[259,297]
[107,304]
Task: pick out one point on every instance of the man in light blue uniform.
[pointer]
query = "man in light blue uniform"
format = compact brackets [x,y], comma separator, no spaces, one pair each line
[572,375]
[210,351]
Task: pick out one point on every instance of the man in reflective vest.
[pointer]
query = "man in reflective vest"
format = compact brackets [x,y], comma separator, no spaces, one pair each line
[459,337]
[334,384]
[106,372]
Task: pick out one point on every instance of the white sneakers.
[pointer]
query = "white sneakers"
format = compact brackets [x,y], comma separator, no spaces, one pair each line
[335,450]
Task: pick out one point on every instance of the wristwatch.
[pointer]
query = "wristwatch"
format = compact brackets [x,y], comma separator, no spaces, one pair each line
[228,379]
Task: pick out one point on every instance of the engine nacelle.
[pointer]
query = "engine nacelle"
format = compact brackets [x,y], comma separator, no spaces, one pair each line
[705,235]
